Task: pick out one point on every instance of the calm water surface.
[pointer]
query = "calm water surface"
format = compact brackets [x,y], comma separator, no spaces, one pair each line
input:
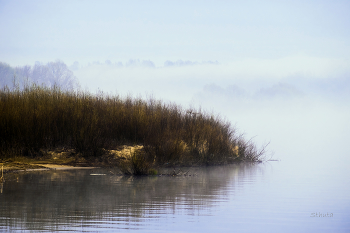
[266,197]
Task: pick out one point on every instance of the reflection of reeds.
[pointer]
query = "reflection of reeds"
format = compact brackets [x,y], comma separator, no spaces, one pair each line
[2,175]
[71,197]
[38,118]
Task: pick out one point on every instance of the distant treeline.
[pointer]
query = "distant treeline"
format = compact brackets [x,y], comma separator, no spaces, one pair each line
[38,118]
[48,75]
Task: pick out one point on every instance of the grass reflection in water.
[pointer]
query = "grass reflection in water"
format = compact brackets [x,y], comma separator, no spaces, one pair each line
[64,199]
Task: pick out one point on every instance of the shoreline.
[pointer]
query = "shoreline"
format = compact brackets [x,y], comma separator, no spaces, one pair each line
[65,160]
[44,167]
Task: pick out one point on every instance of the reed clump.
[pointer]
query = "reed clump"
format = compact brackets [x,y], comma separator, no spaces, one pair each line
[36,118]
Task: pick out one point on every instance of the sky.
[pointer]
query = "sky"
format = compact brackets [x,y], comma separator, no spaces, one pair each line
[261,64]
[224,31]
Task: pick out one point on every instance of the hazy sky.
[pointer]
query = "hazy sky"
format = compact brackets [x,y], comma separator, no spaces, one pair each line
[223,31]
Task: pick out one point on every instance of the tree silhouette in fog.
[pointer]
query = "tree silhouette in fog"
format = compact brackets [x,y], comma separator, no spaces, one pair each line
[49,75]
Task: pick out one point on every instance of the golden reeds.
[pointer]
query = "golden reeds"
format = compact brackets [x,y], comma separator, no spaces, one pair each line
[38,118]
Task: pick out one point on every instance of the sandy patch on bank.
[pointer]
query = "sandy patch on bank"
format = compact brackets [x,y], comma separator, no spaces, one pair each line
[58,160]
[61,167]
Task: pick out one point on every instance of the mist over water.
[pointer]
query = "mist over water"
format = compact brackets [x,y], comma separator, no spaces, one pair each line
[243,197]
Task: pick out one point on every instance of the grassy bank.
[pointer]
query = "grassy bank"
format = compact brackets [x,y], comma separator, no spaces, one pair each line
[36,120]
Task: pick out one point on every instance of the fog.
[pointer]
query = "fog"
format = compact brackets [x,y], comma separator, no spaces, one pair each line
[292,76]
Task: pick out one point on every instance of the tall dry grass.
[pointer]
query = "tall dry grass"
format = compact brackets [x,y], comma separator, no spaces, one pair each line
[37,118]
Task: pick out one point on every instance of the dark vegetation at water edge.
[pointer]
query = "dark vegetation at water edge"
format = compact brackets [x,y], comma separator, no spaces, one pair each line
[37,119]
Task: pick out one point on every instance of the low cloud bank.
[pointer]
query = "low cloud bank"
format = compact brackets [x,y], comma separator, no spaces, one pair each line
[140,63]
[188,63]
[187,82]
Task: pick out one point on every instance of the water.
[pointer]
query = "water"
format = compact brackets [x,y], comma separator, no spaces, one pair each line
[266,197]
[311,179]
